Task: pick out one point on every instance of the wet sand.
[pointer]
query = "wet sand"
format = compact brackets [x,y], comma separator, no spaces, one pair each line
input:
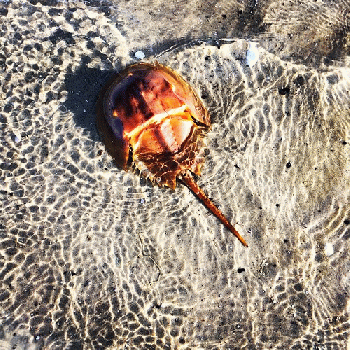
[93,257]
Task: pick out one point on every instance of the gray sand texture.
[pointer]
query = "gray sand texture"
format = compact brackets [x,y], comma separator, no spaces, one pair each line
[95,257]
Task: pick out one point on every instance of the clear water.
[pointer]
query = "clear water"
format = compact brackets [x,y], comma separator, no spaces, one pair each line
[93,257]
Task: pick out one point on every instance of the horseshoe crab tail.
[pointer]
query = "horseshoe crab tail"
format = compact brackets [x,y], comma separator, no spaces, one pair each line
[192,185]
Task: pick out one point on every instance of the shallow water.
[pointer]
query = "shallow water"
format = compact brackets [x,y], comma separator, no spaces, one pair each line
[93,257]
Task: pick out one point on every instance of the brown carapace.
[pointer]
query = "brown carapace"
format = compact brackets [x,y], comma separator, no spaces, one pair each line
[149,116]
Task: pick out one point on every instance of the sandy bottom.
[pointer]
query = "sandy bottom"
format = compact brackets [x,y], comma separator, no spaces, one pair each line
[93,257]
